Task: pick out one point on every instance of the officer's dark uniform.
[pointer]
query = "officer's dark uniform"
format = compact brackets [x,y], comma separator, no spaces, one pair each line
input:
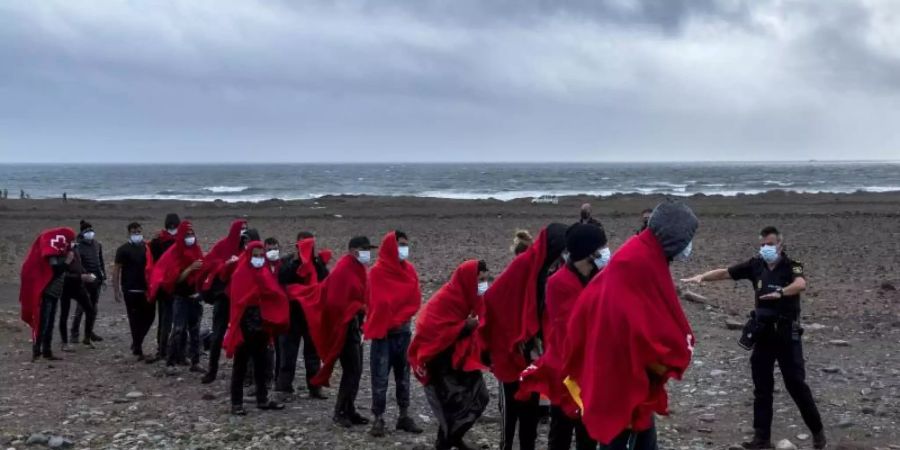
[779,342]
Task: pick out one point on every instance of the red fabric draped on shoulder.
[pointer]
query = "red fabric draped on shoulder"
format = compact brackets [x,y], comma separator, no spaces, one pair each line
[628,319]
[170,265]
[511,311]
[342,296]
[545,375]
[250,286]
[215,262]
[36,272]
[443,318]
[394,295]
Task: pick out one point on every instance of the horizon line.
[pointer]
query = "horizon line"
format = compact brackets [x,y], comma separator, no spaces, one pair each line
[535,162]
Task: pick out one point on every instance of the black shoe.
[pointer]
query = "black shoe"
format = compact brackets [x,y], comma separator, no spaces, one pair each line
[208,378]
[271,406]
[139,357]
[238,410]
[342,421]
[152,359]
[196,369]
[317,394]
[87,343]
[357,419]
[408,425]
[49,357]
[758,443]
[819,441]
[378,428]
[96,338]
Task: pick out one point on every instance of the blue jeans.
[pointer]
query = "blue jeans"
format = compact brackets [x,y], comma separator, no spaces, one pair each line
[187,314]
[387,354]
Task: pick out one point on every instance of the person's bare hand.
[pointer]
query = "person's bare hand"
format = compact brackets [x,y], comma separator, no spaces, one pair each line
[232,260]
[195,265]
[693,280]
[770,296]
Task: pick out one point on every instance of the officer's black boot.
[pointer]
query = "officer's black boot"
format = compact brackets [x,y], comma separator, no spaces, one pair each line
[819,441]
[758,442]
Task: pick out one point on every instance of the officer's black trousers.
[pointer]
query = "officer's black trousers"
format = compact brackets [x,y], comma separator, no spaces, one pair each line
[784,346]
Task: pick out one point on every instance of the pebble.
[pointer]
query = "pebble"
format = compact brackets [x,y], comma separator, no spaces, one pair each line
[831,369]
[37,439]
[134,394]
[839,343]
[59,442]
[802,437]
[732,324]
[845,422]
[717,373]
[785,444]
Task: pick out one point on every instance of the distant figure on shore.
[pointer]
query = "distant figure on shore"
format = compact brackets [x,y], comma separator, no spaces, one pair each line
[521,241]
[22,194]
[65,198]
[586,217]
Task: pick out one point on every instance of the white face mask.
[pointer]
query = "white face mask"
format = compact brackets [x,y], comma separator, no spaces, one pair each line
[404,252]
[482,287]
[686,253]
[136,238]
[364,256]
[602,260]
[257,261]
[190,240]
[272,255]
[88,235]
[172,231]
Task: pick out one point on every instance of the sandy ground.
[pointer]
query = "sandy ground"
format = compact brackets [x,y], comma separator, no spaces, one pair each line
[850,245]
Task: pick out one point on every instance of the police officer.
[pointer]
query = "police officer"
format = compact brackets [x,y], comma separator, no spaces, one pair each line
[778,282]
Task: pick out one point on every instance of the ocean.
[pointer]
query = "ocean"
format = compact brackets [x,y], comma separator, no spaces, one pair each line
[234,183]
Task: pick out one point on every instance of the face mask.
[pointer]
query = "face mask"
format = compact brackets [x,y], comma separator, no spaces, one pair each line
[272,255]
[686,253]
[89,235]
[769,253]
[565,257]
[602,260]
[172,231]
[190,240]
[257,261]
[137,238]
[364,257]
[404,252]
[482,287]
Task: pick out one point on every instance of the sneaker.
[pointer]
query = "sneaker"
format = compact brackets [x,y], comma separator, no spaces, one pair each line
[819,441]
[49,357]
[357,419]
[195,368]
[758,443]
[208,378]
[378,428]
[96,338]
[270,406]
[87,343]
[408,425]
[153,359]
[139,357]
[342,421]
[317,393]
[238,410]
[171,371]
[66,348]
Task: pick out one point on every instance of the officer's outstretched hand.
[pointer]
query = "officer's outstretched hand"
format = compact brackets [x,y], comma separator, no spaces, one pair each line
[693,280]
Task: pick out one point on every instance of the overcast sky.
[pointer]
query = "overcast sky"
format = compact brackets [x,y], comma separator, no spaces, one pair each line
[449,80]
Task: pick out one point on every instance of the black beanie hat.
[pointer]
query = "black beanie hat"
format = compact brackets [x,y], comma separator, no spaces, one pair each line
[674,224]
[582,240]
[85,226]
[172,221]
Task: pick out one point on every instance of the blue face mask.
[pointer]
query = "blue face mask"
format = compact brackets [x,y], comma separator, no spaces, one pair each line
[686,253]
[769,253]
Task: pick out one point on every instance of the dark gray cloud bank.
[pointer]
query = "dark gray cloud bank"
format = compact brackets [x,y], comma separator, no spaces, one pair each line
[449,80]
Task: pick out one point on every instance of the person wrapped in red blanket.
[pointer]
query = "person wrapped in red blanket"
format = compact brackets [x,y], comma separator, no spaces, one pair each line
[42,277]
[511,329]
[335,321]
[177,274]
[392,300]
[588,254]
[158,246]
[259,311]
[215,273]
[445,356]
[628,334]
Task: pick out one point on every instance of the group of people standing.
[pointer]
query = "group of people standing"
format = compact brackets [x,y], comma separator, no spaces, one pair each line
[598,336]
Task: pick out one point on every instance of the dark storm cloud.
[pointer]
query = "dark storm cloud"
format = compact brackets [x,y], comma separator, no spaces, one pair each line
[457,80]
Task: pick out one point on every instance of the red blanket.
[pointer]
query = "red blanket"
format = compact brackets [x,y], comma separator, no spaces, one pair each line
[173,262]
[215,263]
[250,286]
[342,296]
[628,319]
[394,295]
[443,318]
[511,314]
[545,375]
[36,272]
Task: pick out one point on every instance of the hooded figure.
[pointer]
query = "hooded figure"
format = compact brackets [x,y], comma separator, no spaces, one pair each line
[628,334]
[446,358]
[259,311]
[158,246]
[42,283]
[173,262]
[511,329]
[90,254]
